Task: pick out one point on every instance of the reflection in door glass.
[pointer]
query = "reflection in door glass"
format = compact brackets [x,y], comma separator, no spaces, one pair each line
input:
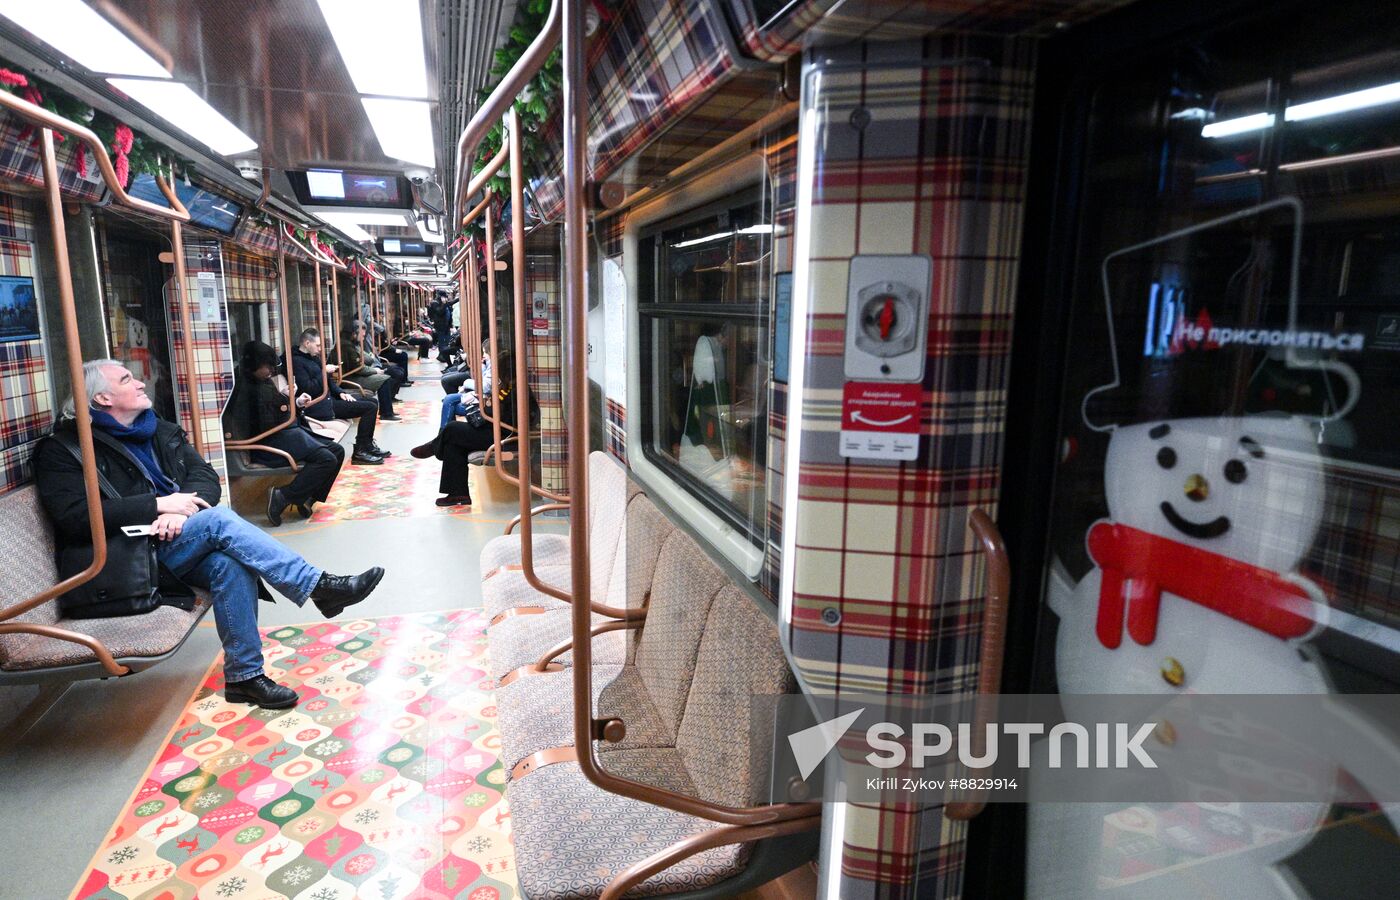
[1226,514]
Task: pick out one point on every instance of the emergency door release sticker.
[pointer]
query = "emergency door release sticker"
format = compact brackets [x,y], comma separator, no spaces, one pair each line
[880,420]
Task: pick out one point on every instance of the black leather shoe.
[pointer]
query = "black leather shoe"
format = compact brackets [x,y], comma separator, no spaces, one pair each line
[391,417]
[262,691]
[335,592]
[423,451]
[306,508]
[366,458]
[379,451]
[276,502]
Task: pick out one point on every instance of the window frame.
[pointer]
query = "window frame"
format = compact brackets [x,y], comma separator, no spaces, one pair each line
[741,543]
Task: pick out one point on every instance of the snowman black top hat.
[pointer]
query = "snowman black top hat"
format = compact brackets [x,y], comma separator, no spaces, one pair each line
[1203,321]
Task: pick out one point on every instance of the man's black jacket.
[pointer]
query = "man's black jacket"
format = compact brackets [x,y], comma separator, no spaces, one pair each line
[59,477]
[311,380]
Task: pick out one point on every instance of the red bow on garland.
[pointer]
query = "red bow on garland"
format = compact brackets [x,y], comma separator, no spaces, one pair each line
[1137,567]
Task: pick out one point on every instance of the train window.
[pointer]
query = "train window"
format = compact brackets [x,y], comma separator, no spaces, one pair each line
[703,299]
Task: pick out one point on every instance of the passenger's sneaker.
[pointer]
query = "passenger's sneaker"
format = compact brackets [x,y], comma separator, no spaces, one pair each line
[276,502]
[335,592]
[262,691]
[366,458]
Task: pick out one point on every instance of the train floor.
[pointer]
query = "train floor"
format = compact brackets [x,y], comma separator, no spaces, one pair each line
[90,783]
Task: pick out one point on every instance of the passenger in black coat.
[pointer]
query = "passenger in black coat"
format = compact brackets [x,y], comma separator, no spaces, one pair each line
[163,483]
[312,379]
[258,405]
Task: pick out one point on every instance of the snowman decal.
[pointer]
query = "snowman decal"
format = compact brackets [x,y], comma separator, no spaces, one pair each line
[1195,588]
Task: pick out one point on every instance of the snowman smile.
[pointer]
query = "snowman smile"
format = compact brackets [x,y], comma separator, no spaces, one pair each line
[1211,529]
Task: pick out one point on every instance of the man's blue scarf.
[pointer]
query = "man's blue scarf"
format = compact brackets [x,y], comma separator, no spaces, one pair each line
[138,440]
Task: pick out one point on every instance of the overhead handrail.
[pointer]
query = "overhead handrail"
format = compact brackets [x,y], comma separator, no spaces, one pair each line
[47,122]
[993,647]
[255,442]
[574,112]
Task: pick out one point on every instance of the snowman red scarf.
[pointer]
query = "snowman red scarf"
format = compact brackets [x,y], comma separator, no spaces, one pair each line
[1137,567]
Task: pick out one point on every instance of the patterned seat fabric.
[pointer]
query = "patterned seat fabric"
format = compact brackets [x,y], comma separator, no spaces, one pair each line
[510,590]
[27,548]
[537,713]
[504,550]
[572,839]
[522,640]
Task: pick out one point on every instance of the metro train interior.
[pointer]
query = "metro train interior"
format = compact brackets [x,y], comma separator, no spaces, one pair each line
[485,449]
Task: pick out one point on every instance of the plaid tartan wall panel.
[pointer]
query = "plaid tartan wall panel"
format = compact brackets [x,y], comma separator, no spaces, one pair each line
[20,162]
[545,355]
[213,360]
[909,156]
[27,405]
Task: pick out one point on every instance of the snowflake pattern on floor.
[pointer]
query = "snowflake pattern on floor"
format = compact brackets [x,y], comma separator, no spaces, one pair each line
[416,412]
[403,487]
[382,783]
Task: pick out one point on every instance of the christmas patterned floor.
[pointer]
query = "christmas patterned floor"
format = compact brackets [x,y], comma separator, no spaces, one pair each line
[416,412]
[401,488]
[383,782]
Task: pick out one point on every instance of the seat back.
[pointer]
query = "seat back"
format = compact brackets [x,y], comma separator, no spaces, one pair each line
[27,547]
[637,553]
[608,492]
[684,586]
[740,658]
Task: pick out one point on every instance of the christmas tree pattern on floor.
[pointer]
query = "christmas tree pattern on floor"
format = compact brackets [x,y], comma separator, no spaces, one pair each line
[403,487]
[382,783]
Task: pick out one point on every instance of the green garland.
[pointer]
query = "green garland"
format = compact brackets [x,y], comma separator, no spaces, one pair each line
[534,112]
[143,156]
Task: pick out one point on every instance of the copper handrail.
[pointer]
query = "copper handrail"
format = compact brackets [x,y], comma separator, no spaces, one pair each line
[493,416]
[182,300]
[97,528]
[42,118]
[993,646]
[635,874]
[633,622]
[534,512]
[504,94]
[574,112]
[291,460]
[321,330]
[359,349]
[250,442]
[99,649]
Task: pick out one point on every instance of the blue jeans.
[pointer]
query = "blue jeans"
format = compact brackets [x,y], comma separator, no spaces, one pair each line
[220,552]
[452,407]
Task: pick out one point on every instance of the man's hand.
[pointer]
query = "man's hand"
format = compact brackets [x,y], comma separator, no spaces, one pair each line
[332,368]
[180,504]
[168,526]
[303,399]
[349,398]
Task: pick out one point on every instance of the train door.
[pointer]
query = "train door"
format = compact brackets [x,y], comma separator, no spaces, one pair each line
[1227,430]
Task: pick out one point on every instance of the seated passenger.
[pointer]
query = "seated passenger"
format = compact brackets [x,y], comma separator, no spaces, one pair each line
[420,339]
[368,376]
[259,404]
[311,378]
[164,483]
[461,389]
[456,441]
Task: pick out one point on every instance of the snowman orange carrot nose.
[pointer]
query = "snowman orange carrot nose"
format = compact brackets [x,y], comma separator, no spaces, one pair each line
[1197,488]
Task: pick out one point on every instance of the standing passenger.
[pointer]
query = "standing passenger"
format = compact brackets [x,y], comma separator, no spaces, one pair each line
[163,483]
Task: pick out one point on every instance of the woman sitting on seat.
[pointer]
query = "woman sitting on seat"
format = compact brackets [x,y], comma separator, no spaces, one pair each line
[257,404]
[457,441]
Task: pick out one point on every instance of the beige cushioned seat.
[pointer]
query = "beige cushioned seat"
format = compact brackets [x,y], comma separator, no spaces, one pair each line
[27,549]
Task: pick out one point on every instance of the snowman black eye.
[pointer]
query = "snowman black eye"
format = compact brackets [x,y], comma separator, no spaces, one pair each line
[1166,457]
[1235,472]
